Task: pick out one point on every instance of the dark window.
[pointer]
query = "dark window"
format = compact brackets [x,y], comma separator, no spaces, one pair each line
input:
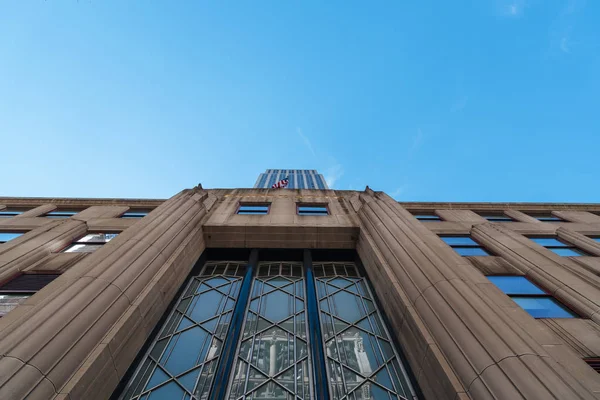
[7,236]
[464,245]
[19,289]
[558,246]
[496,217]
[8,212]
[594,363]
[548,217]
[529,297]
[253,209]
[312,209]
[90,242]
[427,216]
[134,214]
[60,214]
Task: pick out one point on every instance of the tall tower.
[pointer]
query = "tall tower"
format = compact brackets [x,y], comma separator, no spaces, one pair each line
[299,179]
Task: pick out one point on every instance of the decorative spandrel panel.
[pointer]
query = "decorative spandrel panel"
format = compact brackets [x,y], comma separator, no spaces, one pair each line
[273,359]
[182,360]
[362,362]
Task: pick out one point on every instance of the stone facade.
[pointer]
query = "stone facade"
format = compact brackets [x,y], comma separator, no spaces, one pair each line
[463,338]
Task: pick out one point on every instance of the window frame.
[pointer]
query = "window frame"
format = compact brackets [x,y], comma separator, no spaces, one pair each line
[477,245]
[10,212]
[145,212]
[426,216]
[545,295]
[61,214]
[495,216]
[253,204]
[313,214]
[567,245]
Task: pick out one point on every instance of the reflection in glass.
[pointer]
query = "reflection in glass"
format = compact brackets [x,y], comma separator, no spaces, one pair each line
[361,360]
[183,359]
[273,360]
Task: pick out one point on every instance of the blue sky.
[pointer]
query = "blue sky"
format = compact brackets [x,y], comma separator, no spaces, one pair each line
[487,100]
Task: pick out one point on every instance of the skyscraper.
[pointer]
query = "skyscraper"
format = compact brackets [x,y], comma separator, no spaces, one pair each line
[232,294]
[299,179]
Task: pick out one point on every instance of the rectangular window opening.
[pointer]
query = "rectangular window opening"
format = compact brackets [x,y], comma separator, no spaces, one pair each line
[17,290]
[558,246]
[90,242]
[313,209]
[8,236]
[61,214]
[496,216]
[253,209]
[530,297]
[426,216]
[465,245]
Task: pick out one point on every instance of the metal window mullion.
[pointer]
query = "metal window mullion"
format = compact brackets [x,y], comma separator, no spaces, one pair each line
[228,352]
[315,336]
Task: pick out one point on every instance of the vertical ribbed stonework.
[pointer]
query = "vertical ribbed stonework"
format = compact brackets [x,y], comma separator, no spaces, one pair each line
[459,342]
[79,341]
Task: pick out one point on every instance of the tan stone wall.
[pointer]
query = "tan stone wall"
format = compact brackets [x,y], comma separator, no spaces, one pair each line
[463,338]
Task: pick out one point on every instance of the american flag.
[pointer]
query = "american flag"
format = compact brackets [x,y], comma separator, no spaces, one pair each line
[281,184]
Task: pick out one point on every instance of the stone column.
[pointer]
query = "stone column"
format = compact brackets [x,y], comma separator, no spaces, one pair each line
[80,333]
[459,343]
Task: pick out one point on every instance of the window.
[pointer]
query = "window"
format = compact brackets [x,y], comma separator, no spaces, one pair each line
[529,297]
[547,217]
[7,236]
[8,212]
[253,209]
[287,320]
[558,246]
[596,238]
[594,363]
[425,216]
[464,245]
[20,288]
[313,209]
[90,242]
[496,217]
[60,214]
[134,214]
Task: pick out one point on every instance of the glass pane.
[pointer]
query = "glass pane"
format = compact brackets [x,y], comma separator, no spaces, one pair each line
[9,213]
[10,301]
[548,241]
[97,238]
[188,348]
[253,209]
[568,252]
[471,251]
[82,248]
[427,217]
[515,285]
[542,307]
[132,214]
[6,236]
[273,359]
[458,240]
[357,352]
[60,214]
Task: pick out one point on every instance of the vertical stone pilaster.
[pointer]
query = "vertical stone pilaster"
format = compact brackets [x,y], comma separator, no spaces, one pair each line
[470,346]
[38,211]
[108,303]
